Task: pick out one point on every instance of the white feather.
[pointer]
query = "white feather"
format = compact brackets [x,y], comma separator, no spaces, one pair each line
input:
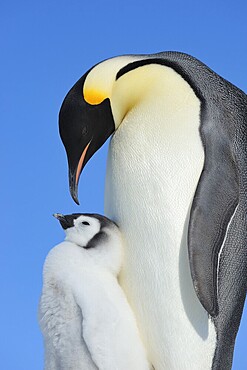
[154,164]
[85,318]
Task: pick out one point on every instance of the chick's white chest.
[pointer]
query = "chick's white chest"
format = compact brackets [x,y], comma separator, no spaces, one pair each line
[60,317]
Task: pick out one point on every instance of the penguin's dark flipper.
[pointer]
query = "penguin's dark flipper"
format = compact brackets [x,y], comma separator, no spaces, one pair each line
[213,205]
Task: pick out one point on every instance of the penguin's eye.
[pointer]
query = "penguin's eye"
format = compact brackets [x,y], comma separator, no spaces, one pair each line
[85,223]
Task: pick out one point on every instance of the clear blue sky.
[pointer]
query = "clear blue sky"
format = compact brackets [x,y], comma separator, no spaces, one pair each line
[45,47]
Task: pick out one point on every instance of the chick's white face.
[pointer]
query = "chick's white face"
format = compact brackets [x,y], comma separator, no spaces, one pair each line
[85,228]
[99,239]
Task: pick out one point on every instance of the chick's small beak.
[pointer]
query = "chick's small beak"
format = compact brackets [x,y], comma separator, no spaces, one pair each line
[58,216]
[65,221]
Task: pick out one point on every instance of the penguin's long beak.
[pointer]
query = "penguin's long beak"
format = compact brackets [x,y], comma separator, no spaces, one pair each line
[83,129]
[74,174]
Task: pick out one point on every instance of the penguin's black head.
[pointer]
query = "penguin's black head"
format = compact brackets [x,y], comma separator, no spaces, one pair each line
[94,108]
[80,131]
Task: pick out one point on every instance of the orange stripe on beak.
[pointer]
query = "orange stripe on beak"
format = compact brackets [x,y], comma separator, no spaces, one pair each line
[78,171]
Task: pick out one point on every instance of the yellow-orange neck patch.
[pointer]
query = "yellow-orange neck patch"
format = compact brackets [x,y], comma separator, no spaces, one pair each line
[94,97]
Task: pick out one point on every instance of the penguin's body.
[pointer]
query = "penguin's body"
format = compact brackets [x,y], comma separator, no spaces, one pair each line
[176,186]
[84,316]
[158,255]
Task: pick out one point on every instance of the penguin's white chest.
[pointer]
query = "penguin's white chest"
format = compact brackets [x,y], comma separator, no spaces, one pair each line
[154,164]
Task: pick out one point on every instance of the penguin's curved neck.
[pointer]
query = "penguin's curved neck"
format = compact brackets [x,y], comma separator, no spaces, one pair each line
[155,87]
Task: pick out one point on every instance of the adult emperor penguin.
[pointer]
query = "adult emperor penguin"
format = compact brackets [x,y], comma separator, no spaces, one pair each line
[85,318]
[176,185]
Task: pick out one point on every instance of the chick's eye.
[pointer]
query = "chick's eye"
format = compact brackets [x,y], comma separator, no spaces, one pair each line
[85,223]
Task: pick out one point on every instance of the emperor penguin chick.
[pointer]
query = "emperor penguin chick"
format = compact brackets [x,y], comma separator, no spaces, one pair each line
[84,315]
